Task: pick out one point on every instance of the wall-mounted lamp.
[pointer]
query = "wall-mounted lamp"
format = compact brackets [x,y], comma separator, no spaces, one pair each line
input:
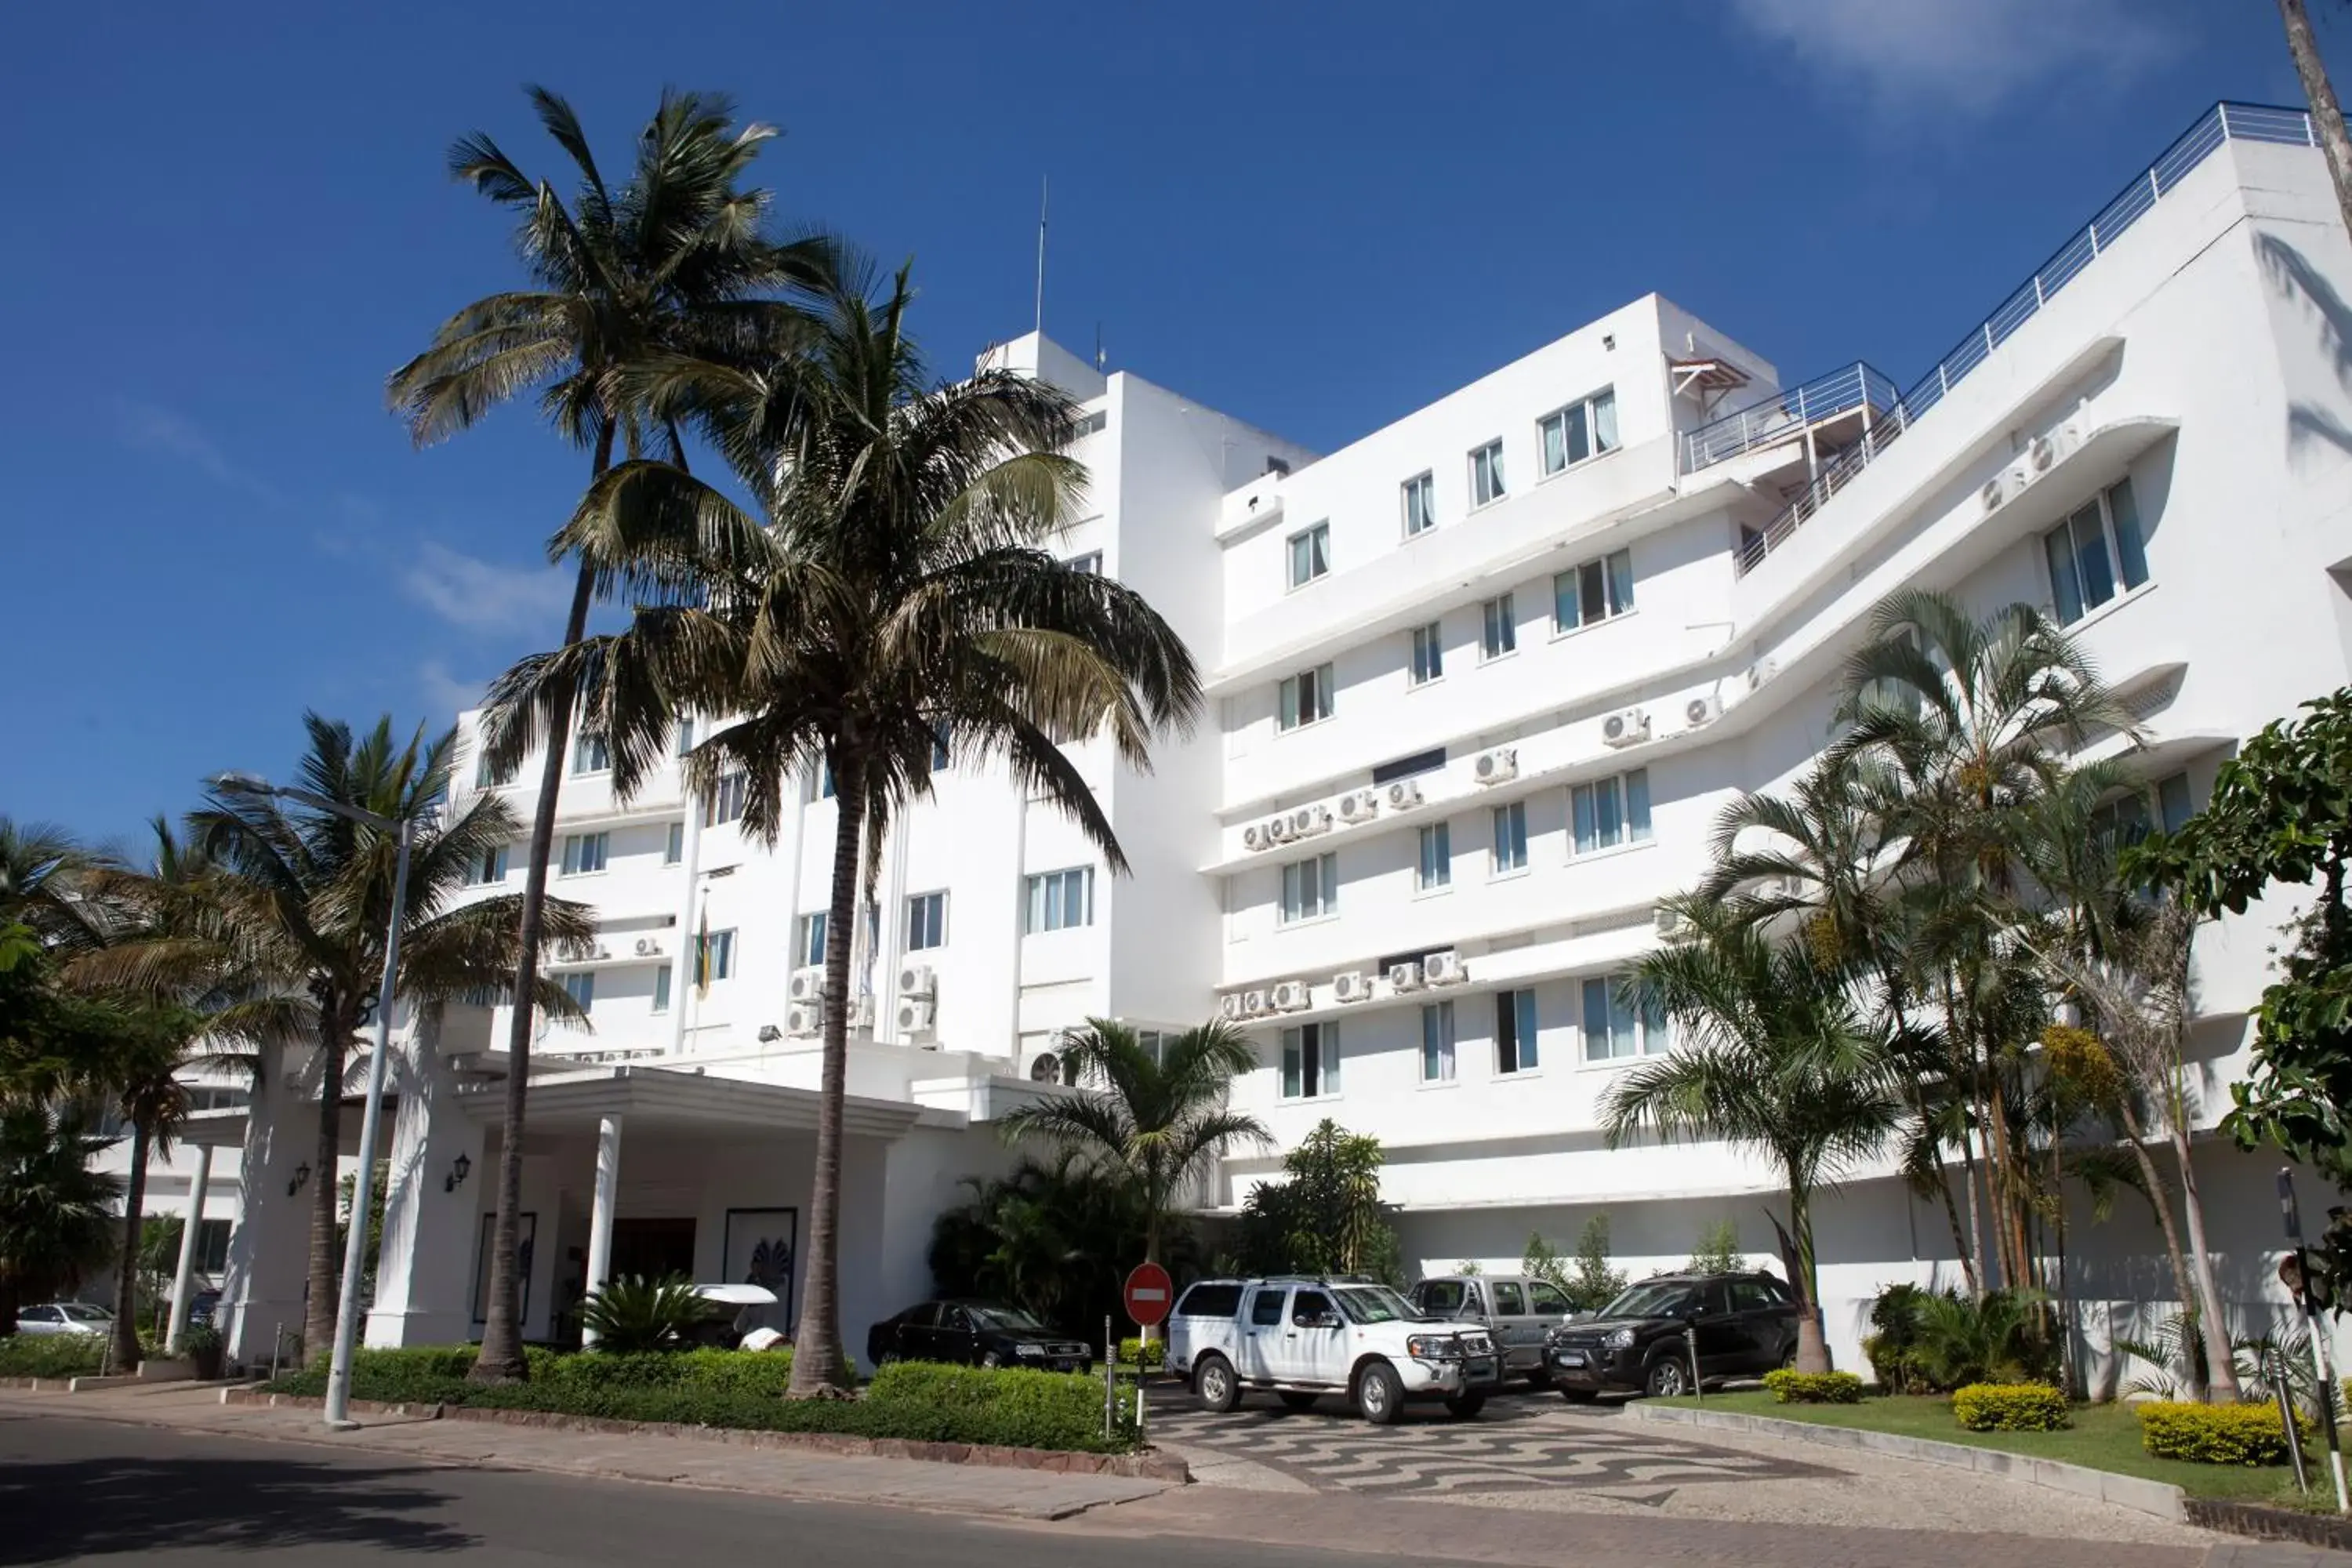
[459,1169]
[301,1175]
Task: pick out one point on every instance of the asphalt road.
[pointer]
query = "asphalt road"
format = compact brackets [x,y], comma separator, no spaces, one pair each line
[82,1491]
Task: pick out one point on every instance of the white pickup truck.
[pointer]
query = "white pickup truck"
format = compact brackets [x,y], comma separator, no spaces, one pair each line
[1304,1338]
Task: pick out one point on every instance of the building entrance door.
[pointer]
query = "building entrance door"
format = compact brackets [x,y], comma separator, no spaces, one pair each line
[654,1248]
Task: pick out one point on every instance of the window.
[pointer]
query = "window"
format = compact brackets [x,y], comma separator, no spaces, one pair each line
[1265,1306]
[714,956]
[2092,551]
[726,803]
[1307,698]
[808,941]
[1515,1031]
[1093,424]
[1509,1301]
[1486,474]
[1546,1301]
[1309,1308]
[1427,762]
[2126,818]
[1613,1030]
[581,987]
[674,847]
[1060,899]
[487,777]
[585,852]
[589,754]
[1593,592]
[1428,654]
[818,786]
[1749,1296]
[1437,1042]
[2172,803]
[212,1246]
[940,752]
[684,734]
[926,922]
[1579,431]
[218,1099]
[1310,1061]
[1420,504]
[661,989]
[1510,837]
[1311,554]
[1310,888]
[1609,812]
[1089,564]
[1499,628]
[490,866]
[1436,867]
[1207,1300]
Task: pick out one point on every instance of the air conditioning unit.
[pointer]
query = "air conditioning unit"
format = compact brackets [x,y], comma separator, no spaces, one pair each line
[1992,495]
[803,1019]
[1350,985]
[1442,968]
[1670,922]
[1046,1067]
[1310,820]
[1700,711]
[1762,670]
[1404,794]
[806,985]
[1278,830]
[916,980]
[1290,996]
[2020,474]
[602,952]
[1495,766]
[1254,838]
[648,948]
[1626,727]
[1360,805]
[2043,456]
[861,1013]
[1254,1005]
[1405,976]
[1229,1007]
[914,1015]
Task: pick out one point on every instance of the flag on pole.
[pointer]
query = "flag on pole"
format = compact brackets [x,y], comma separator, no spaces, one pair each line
[703,953]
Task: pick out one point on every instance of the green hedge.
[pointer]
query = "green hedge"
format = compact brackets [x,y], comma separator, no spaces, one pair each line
[913,1400]
[1813,1387]
[2219,1434]
[51,1356]
[1149,1354]
[2011,1407]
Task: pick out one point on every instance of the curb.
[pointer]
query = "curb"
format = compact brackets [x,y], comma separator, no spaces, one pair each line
[1153,1467]
[2156,1498]
[2265,1523]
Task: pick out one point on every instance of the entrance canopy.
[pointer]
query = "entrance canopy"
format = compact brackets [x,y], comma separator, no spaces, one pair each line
[668,1099]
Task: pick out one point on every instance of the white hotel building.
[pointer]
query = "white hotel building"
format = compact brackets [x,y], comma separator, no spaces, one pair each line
[1481,682]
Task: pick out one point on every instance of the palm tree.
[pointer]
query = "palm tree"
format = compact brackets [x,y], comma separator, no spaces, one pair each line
[141,1073]
[56,1214]
[2320,93]
[1775,1055]
[674,262]
[304,894]
[899,593]
[1155,1119]
[40,870]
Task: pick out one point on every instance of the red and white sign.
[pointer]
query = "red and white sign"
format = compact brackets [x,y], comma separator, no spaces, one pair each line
[1149,1293]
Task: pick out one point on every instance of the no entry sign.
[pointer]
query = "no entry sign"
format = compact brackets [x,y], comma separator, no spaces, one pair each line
[1149,1293]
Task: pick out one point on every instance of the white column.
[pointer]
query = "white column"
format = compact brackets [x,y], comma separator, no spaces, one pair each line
[269,1252]
[681,962]
[190,1229]
[600,1213]
[432,1219]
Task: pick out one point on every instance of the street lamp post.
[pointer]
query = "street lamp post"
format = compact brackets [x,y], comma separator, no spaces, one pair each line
[347,1309]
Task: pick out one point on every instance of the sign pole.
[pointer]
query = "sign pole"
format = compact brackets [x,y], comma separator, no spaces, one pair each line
[2320,1359]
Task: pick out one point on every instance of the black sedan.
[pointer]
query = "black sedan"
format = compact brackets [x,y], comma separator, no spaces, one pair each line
[974,1333]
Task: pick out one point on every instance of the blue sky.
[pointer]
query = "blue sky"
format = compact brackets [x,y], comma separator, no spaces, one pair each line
[225,224]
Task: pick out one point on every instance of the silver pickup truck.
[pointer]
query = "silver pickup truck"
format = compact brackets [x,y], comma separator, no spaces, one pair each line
[1518,1311]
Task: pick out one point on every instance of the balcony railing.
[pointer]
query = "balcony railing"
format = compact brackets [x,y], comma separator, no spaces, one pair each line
[1786,415]
[2223,123]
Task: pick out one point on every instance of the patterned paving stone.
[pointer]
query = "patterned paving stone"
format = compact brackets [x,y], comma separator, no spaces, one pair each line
[1515,1446]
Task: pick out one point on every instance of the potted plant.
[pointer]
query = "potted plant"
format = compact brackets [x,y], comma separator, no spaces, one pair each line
[202,1345]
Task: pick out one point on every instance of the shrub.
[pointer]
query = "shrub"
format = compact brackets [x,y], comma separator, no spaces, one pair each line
[757,1373]
[1892,1344]
[51,1356]
[640,1314]
[1012,1405]
[2219,1434]
[1813,1387]
[1149,1354]
[2010,1407]
[1996,1340]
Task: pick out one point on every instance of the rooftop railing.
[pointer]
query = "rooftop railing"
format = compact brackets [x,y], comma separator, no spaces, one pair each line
[1785,414]
[2223,123]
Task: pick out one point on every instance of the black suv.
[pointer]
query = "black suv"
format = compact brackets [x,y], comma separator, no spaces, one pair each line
[1743,1325]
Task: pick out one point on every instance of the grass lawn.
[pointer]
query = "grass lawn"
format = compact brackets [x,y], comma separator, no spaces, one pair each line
[2104,1437]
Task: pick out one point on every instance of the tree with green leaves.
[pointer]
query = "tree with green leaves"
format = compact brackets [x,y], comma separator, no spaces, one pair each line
[676,261]
[56,1213]
[894,594]
[1050,1236]
[1772,1053]
[1325,1216]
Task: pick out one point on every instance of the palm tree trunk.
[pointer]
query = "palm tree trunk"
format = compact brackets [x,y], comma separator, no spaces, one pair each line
[2159,1198]
[816,1354]
[1812,1344]
[321,1299]
[2212,1322]
[2327,116]
[126,1280]
[501,1360]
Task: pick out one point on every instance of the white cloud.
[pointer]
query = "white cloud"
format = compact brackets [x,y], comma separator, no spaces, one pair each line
[152,429]
[481,596]
[1969,55]
[446,696]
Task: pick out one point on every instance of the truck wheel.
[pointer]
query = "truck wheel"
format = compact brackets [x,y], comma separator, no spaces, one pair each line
[1668,1377]
[1380,1395]
[1299,1398]
[1465,1407]
[1215,1384]
[1577,1395]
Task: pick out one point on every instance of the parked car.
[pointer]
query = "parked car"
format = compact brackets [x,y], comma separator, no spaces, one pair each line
[64,1318]
[974,1333]
[1304,1338]
[1520,1312]
[1742,1325]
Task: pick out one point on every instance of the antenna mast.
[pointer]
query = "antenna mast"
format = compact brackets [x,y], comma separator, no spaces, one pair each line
[1043,190]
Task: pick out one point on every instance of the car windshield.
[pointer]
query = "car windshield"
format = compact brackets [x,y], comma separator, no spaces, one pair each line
[1009,1319]
[78,1313]
[1657,1298]
[1373,1304]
